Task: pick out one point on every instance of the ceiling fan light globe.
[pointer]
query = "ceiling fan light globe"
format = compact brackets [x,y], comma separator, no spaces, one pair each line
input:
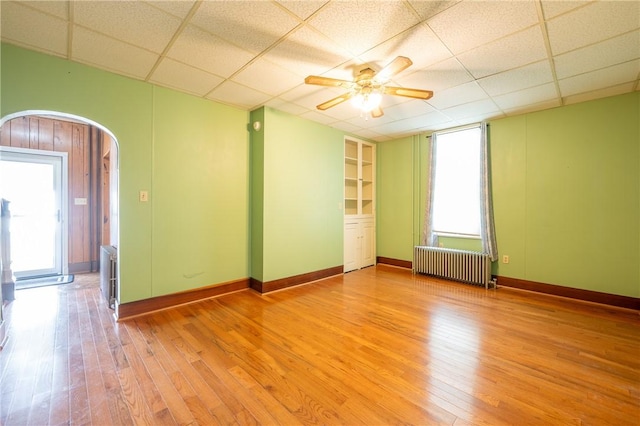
[367,102]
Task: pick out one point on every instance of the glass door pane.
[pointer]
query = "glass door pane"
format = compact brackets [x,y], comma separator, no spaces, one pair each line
[33,185]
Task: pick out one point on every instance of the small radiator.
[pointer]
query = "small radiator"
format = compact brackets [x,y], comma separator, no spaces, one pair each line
[459,265]
[108,274]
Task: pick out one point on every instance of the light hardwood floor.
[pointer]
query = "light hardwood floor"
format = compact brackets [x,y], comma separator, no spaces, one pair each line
[377,346]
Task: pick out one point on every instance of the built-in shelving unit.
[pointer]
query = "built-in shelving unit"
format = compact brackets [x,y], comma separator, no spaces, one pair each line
[359,204]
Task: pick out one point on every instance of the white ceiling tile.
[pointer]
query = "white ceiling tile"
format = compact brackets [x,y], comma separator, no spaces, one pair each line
[600,55]
[443,75]
[428,9]
[240,96]
[531,95]
[253,25]
[408,109]
[592,23]
[553,8]
[179,8]
[468,92]
[318,117]
[202,50]
[600,79]
[361,25]
[533,107]
[472,109]
[182,77]
[303,9]
[309,96]
[269,78]
[57,8]
[44,33]
[517,79]
[112,55]
[288,107]
[419,44]
[307,52]
[524,47]
[345,126]
[602,93]
[135,22]
[469,24]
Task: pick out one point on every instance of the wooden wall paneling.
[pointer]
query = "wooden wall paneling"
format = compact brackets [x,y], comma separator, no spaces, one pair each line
[34,133]
[20,132]
[4,139]
[79,188]
[95,211]
[45,134]
[62,137]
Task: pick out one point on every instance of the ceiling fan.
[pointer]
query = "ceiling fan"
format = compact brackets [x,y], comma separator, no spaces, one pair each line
[368,87]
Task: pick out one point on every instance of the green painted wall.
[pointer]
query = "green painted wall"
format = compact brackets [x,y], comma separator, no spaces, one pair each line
[566,188]
[200,178]
[257,196]
[302,188]
[395,226]
[194,229]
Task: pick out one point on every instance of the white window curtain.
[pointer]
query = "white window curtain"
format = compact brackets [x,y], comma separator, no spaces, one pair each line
[487,228]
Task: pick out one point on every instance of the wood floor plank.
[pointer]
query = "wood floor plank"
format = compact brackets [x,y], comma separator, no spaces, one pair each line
[375,346]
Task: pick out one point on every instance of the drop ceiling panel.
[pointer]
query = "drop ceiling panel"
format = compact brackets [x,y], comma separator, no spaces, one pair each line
[203,50]
[303,9]
[600,55]
[419,43]
[237,95]
[45,33]
[253,26]
[361,25]
[592,23]
[443,75]
[182,77]
[602,93]
[484,107]
[600,79]
[179,9]
[531,95]
[522,48]
[267,77]
[308,52]
[470,24]
[135,22]
[103,52]
[59,9]
[553,8]
[517,79]
[428,9]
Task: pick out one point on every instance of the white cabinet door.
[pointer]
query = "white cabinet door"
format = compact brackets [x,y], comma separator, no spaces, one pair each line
[351,233]
[367,238]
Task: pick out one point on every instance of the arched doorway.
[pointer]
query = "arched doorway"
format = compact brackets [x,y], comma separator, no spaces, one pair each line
[91,206]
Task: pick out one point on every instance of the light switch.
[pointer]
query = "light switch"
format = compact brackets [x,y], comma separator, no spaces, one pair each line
[80,201]
[144,196]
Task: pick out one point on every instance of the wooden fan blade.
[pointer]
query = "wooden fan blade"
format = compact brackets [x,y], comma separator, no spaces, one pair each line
[398,64]
[409,93]
[377,112]
[326,81]
[335,101]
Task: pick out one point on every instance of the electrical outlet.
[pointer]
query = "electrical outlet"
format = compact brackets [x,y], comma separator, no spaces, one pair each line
[144,196]
[505,258]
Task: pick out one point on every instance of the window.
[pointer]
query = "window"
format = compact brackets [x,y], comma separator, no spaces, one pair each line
[456,182]
[459,189]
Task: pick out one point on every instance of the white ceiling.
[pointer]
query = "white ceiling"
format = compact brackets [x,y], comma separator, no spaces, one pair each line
[482,59]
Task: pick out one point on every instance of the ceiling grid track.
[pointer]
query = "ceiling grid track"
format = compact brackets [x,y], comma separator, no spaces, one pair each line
[177,34]
[547,45]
